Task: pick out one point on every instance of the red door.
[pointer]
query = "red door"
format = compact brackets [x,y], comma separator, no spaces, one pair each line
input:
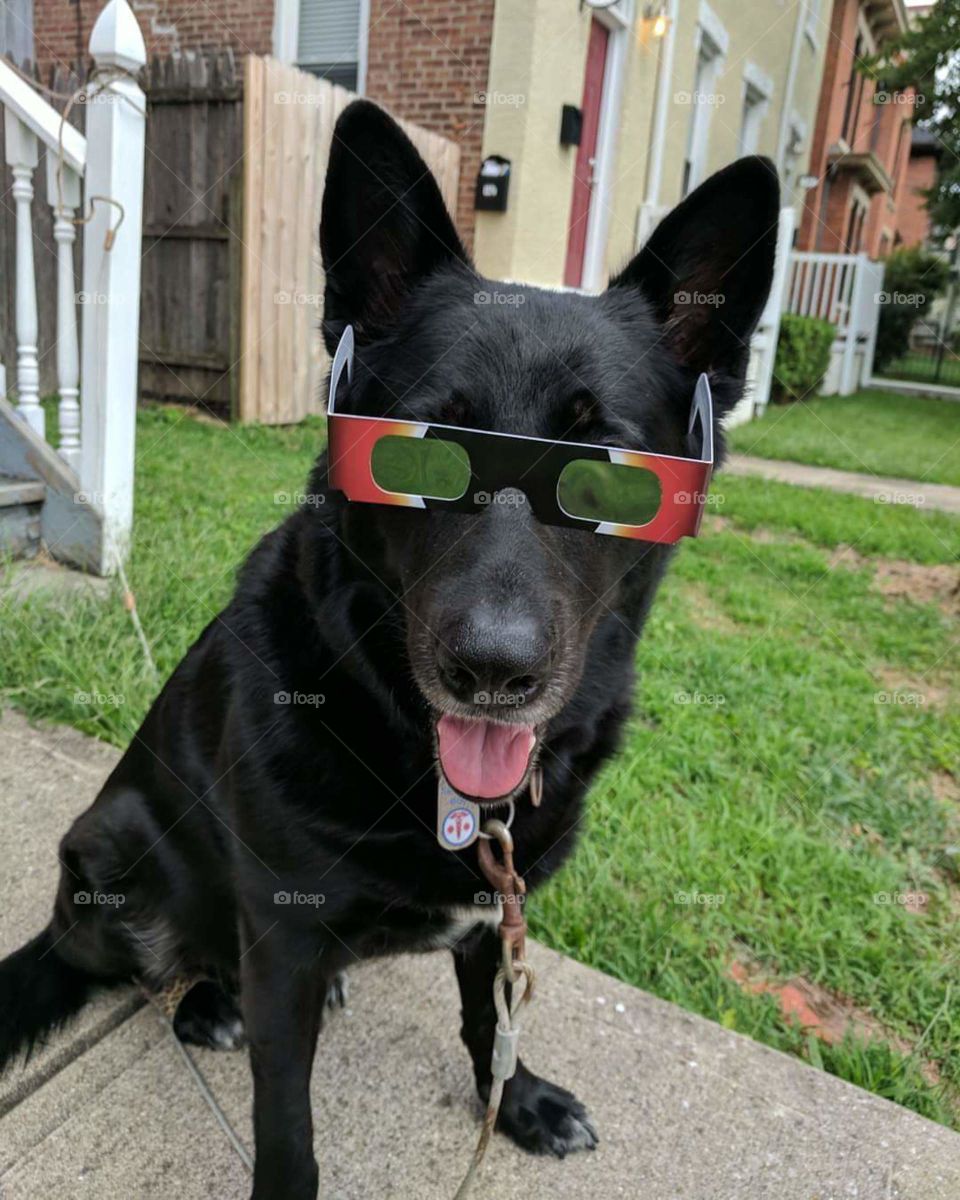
[586,154]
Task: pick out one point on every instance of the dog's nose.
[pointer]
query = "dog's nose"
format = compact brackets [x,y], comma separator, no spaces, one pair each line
[492,658]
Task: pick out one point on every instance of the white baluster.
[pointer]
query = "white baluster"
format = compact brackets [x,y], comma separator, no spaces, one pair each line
[21,153]
[111,275]
[64,199]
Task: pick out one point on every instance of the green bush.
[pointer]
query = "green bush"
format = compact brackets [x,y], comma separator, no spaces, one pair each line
[803,355]
[912,280]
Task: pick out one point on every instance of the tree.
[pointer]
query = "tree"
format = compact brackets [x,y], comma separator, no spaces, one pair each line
[927,57]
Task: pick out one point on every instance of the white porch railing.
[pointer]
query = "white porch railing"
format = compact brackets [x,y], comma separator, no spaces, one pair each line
[96,181]
[843,289]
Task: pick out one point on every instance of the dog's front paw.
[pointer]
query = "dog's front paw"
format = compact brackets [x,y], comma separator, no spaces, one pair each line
[207,1016]
[544,1118]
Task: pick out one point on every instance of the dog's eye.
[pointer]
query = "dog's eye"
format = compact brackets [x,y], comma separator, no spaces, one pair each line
[584,409]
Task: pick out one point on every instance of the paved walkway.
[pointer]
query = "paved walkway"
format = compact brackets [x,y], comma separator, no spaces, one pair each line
[881,488]
[686,1110]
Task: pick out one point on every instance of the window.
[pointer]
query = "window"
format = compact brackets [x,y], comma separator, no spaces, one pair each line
[851,112]
[757,90]
[329,40]
[858,213]
[703,100]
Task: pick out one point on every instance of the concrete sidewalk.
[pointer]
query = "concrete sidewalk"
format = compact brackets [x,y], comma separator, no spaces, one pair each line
[686,1110]
[883,489]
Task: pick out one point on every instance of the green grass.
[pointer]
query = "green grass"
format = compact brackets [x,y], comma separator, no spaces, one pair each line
[923,368]
[909,437]
[763,765]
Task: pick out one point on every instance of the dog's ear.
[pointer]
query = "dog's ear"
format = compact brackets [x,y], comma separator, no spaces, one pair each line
[708,265]
[384,225]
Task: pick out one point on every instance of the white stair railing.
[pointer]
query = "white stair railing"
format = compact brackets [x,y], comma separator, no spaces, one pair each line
[98,178]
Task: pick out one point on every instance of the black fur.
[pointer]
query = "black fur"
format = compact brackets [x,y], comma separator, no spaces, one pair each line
[227,796]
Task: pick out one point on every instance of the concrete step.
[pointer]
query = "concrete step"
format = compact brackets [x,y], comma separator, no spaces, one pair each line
[20,503]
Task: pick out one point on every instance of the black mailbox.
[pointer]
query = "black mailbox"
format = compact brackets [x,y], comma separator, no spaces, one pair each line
[571,125]
[493,184]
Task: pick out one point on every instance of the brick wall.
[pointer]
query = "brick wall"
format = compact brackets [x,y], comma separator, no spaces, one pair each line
[62,27]
[913,219]
[428,61]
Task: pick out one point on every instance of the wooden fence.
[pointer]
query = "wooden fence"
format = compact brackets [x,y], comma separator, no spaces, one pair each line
[192,224]
[288,125]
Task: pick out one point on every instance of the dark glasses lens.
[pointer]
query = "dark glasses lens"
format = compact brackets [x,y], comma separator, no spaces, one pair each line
[420,466]
[605,491]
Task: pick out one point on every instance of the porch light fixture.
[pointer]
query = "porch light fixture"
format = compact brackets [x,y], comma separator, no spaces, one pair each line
[655,20]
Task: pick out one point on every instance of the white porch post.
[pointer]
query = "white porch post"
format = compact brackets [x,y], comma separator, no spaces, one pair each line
[64,197]
[111,275]
[22,157]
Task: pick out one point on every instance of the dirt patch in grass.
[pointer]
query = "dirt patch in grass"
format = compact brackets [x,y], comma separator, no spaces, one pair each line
[938,584]
[827,1015]
[945,787]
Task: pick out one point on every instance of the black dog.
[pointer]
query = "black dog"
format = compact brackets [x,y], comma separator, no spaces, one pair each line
[228,796]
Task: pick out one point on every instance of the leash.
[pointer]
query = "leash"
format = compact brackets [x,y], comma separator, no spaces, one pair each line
[514,970]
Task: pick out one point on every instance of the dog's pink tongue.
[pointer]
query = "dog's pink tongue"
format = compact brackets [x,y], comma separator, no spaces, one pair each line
[482,759]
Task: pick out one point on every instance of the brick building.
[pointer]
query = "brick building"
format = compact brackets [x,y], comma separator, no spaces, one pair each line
[861,140]
[913,218]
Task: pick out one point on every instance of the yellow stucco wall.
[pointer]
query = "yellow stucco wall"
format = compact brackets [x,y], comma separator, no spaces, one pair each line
[537,65]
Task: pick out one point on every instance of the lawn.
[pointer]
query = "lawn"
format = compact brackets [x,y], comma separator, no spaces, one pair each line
[788,787]
[910,437]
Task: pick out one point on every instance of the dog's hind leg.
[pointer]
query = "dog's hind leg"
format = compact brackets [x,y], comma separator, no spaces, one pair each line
[538,1115]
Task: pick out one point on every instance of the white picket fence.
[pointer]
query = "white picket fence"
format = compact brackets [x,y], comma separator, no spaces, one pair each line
[94,182]
[845,290]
